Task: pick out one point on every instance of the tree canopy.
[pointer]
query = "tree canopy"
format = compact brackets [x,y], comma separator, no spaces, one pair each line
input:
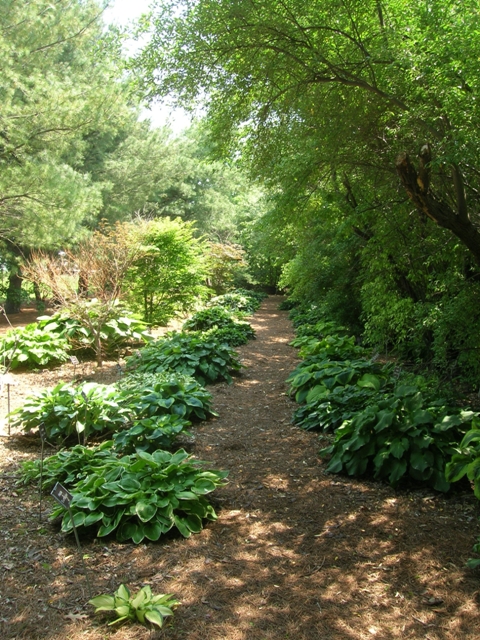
[311,90]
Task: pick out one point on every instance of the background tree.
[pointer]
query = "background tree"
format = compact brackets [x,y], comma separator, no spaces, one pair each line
[169,272]
[361,119]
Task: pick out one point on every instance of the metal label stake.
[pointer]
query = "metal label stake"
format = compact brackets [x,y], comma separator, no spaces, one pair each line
[75,362]
[64,497]
[43,437]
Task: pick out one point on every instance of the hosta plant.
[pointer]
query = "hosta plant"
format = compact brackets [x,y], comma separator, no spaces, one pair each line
[33,347]
[121,329]
[333,391]
[399,436]
[314,377]
[332,347]
[168,392]
[150,434]
[68,466]
[141,496]
[240,301]
[205,359]
[208,318]
[465,460]
[143,607]
[71,412]
[235,335]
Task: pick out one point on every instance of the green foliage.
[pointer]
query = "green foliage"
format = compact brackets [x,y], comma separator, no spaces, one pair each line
[288,304]
[332,347]
[334,391]
[465,460]
[240,300]
[152,405]
[32,347]
[141,496]
[67,466]
[150,434]
[205,359]
[68,412]
[209,318]
[143,607]
[310,314]
[219,325]
[399,436]
[317,330]
[120,330]
[168,275]
[165,393]
[234,335]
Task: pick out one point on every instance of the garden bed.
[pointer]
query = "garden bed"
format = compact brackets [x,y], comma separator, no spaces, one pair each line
[296,552]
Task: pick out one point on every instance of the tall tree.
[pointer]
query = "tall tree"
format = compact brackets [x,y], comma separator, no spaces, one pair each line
[345,86]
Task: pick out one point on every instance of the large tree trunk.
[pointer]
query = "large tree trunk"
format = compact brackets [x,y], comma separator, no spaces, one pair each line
[14,293]
[417,186]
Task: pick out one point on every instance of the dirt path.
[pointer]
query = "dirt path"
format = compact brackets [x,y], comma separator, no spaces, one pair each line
[296,553]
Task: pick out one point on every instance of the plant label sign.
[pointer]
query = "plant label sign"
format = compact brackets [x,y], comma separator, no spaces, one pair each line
[42,431]
[74,360]
[84,396]
[61,495]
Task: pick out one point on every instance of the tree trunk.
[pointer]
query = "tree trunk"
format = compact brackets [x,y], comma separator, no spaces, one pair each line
[14,293]
[417,186]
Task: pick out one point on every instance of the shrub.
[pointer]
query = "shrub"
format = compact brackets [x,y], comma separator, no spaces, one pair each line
[32,346]
[167,276]
[400,435]
[205,359]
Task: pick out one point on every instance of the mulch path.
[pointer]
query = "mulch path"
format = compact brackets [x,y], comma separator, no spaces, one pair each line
[295,554]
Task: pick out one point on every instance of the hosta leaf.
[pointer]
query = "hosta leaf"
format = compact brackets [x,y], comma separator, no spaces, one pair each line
[385,419]
[182,527]
[153,530]
[123,593]
[145,510]
[103,603]
[154,617]
[418,460]
[398,447]
[186,495]
[203,486]
[92,518]
[193,522]
[398,468]
[138,534]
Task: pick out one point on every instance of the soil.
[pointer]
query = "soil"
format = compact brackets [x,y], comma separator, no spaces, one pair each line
[295,554]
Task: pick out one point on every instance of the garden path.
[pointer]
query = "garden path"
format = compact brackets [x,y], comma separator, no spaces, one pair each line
[295,554]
